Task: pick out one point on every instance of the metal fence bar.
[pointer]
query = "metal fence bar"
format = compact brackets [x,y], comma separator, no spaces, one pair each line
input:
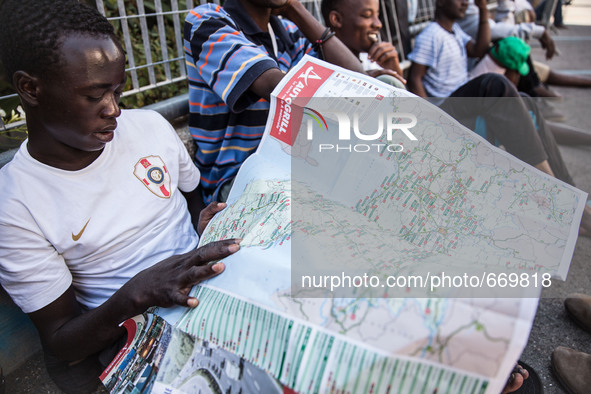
[162,37]
[425,13]
[178,40]
[146,41]
[100,7]
[128,46]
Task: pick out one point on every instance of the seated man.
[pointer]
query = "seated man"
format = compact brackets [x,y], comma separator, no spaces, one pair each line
[236,55]
[357,24]
[505,25]
[439,69]
[94,227]
[508,57]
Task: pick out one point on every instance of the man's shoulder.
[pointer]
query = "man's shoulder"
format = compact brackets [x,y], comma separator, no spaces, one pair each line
[140,115]
[458,29]
[207,11]
[146,118]
[142,124]
[432,30]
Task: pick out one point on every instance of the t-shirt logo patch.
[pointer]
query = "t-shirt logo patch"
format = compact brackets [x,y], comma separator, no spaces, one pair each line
[152,172]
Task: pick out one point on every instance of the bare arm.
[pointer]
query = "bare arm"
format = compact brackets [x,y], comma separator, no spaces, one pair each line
[415,79]
[195,205]
[479,48]
[335,51]
[73,335]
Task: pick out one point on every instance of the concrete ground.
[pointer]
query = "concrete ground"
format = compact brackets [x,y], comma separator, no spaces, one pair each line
[552,327]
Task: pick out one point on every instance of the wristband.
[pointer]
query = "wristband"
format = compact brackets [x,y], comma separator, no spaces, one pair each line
[328,34]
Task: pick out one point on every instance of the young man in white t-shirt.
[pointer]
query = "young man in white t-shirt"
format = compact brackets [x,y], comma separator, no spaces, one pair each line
[98,206]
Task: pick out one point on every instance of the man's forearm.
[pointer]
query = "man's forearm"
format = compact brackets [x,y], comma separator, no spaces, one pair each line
[73,335]
[334,50]
[74,338]
[416,87]
[483,36]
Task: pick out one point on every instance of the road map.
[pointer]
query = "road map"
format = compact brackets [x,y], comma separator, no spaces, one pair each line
[353,178]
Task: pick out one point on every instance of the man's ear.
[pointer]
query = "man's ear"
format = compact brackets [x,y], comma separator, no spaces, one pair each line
[27,87]
[335,20]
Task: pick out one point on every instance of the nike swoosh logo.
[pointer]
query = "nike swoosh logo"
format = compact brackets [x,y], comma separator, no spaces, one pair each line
[77,236]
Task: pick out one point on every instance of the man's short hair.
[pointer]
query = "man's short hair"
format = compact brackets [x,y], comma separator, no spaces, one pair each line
[33,32]
[329,5]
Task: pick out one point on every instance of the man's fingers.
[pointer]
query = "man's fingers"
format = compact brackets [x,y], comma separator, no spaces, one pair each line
[381,49]
[208,213]
[215,251]
[197,274]
[181,299]
[213,208]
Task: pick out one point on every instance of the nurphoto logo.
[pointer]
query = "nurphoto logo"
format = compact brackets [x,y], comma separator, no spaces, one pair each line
[387,123]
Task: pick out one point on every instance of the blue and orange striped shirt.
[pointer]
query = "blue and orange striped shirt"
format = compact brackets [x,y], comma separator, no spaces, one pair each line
[225,53]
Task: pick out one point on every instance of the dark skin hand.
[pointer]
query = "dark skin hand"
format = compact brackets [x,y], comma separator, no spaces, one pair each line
[548,44]
[197,210]
[386,55]
[65,329]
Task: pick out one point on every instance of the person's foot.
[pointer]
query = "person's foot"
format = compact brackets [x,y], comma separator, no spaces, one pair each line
[572,369]
[548,111]
[585,227]
[578,307]
[516,379]
[543,91]
[560,26]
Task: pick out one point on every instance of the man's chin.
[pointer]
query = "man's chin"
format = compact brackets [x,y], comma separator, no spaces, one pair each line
[276,4]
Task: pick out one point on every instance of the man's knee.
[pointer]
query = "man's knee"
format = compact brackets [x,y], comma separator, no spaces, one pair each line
[496,85]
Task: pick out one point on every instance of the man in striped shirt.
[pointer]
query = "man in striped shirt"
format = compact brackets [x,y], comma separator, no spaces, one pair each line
[236,55]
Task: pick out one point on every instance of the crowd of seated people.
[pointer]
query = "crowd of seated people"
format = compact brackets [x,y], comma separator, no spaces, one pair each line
[230,79]
[229,106]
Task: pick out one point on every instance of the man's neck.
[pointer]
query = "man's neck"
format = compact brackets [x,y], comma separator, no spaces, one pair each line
[260,15]
[445,22]
[56,154]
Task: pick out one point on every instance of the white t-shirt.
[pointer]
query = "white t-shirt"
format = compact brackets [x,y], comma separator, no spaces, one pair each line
[97,227]
[444,53]
[486,65]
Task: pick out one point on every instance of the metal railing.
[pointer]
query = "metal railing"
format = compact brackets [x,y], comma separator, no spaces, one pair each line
[161,20]
[147,59]
[148,67]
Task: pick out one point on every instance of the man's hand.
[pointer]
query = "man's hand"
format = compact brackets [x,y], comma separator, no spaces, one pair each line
[168,283]
[207,214]
[480,4]
[285,9]
[335,51]
[548,44]
[386,55]
[72,335]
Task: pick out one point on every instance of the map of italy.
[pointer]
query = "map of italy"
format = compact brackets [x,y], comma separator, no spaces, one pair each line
[448,201]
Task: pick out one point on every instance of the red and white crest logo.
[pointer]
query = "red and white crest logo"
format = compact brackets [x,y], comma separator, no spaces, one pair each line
[152,172]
